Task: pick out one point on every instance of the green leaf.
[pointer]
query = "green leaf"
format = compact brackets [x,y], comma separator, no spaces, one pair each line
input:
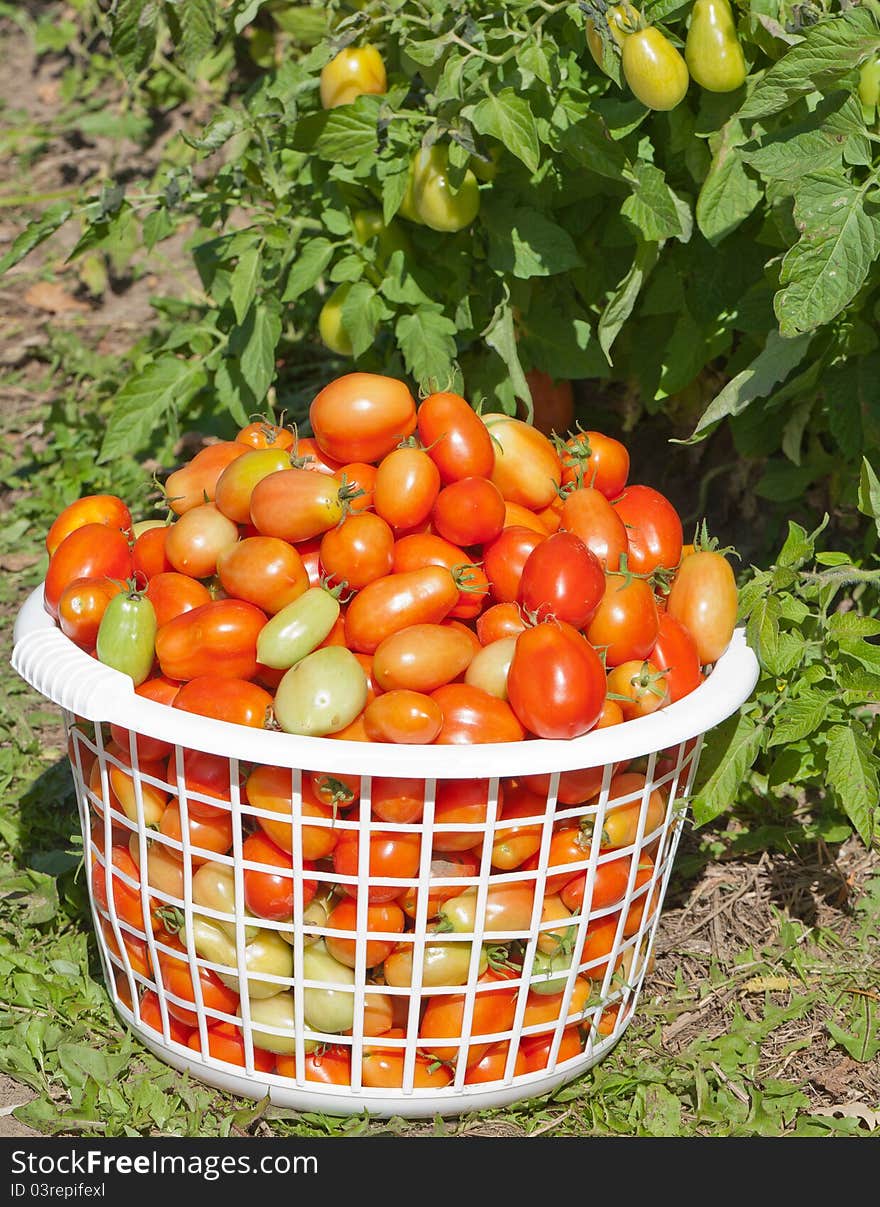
[829,51]
[653,208]
[525,243]
[800,717]
[36,232]
[818,141]
[198,23]
[244,280]
[828,265]
[852,774]
[133,34]
[246,15]
[258,339]
[772,364]
[798,548]
[508,118]
[728,194]
[501,336]
[307,268]
[869,493]
[33,895]
[863,1042]
[620,304]
[850,624]
[141,405]
[762,630]
[588,142]
[427,341]
[728,754]
[361,313]
[346,134]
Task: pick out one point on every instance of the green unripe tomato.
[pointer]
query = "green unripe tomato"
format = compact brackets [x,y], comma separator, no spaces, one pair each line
[435,203]
[321,694]
[654,70]
[127,636]
[330,326]
[329,1010]
[369,224]
[869,83]
[297,629]
[486,169]
[279,1012]
[623,19]
[712,50]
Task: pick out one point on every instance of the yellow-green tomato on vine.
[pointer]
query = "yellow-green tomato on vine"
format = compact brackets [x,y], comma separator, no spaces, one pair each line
[654,70]
[369,225]
[869,83]
[330,327]
[352,73]
[434,201]
[622,19]
[712,51]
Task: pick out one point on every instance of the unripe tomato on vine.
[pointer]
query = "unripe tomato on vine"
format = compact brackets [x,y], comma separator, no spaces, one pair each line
[654,70]
[712,50]
[330,326]
[622,19]
[352,73]
[430,198]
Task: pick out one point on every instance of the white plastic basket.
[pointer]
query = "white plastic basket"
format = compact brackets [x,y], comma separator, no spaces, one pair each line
[540,1055]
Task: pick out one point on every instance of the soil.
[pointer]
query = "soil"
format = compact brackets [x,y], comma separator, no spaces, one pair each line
[729,907]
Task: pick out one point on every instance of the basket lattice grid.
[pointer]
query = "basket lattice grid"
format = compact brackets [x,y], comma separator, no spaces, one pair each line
[528,1004]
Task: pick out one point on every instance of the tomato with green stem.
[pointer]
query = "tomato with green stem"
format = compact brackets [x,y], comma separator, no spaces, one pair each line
[587,513]
[640,688]
[269,889]
[296,504]
[562,578]
[89,551]
[675,652]
[419,549]
[436,200]
[194,483]
[385,1067]
[398,600]
[454,437]
[270,789]
[653,529]
[556,682]
[626,623]
[126,637]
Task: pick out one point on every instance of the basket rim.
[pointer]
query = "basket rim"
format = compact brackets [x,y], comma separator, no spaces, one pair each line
[69,677]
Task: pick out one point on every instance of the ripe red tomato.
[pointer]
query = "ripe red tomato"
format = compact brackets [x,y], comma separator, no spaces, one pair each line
[177,979]
[704,599]
[392,854]
[556,681]
[151,1016]
[420,549]
[504,559]
[207,775]
[455,438]
[264,571]
[403,716]
[235,700]
[536,1049]
[384,1067]
[127,899]
[588,514]
[461,802]
[675,652]
[358,550]
[421,658]
[499,621]
[493,1014]
[472,715]
[207,835]
[89,551]
[593,459]
[407,484]
[626,622]
[360,480]
[469,512]
[172,594]
[270,789]
[653,529]
[268,893]
[382,917]
[218,638]
[397,799]
[306,455]
[148,556]
[562,578]
[108,510]
[81,607]
[230,1049]
[395,601]
[362,416]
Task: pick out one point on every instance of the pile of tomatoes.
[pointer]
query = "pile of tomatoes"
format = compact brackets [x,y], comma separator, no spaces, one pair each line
[407,574]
